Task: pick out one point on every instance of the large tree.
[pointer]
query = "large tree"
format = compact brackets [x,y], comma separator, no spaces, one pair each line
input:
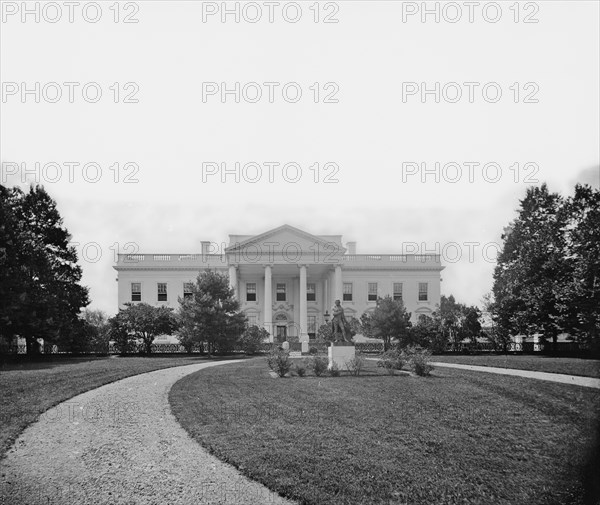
[427,333]
[97,321]
[11,275]
[580,300]
[144,322]
[389,320]
[497,335]
[470,323]
[39,284]
[531,273]
[449,316]
[211,315]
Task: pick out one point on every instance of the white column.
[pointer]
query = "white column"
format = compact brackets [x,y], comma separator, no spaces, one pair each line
[326,306]
[268,309]
[233,279]
[338,289]
[303,311]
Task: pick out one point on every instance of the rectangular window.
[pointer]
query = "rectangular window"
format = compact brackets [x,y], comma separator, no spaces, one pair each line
[312,327]
[422,291]
[252,321]
[136,291]
[280,296]
[347,292]
[398,291]
[251,291]
[162,291]
[372,297]
[311,294]
[187,290]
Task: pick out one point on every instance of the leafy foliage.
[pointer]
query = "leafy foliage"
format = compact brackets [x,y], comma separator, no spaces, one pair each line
[325,333]
[547,279]
[279,361]
[498,336]
[388,321]
[580,300]
[252,338]
[319,365]
[40,294]
[530,266]
[334,370]
[458,321]
[118,332]
[418,358]
[391,360]
[427,333]
[301,369]
[211,315]
[143,322]
[355,365]
[97,323]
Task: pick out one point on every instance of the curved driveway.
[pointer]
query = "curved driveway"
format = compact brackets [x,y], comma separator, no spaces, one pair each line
[120,444]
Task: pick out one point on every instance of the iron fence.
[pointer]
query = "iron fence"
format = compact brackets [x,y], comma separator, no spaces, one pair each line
[313,347]
[369,347]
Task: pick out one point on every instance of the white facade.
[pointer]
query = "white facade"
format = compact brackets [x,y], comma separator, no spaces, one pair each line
[286,279]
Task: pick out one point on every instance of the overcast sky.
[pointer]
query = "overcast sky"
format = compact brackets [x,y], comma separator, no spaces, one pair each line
[371,131]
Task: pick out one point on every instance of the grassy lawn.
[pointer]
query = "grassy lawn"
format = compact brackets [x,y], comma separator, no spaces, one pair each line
[570,366]
[29,389]
[457,437]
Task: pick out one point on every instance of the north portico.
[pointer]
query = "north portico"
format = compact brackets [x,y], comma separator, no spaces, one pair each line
[287,279]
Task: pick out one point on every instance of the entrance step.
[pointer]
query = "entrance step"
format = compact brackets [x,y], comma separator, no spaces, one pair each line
[295,354]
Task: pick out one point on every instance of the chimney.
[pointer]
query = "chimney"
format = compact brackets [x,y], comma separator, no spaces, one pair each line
[351,246]
[205,247]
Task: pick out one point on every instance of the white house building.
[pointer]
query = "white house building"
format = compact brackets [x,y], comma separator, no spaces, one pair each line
[286,279]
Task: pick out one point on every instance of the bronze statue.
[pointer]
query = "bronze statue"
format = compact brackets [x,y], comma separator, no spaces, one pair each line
[338,321]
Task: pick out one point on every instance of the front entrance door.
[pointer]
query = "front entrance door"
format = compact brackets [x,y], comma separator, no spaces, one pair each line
[281,333]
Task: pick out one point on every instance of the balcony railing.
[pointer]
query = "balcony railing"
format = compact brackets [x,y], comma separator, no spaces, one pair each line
[391,259]
[173,260]
[355,260]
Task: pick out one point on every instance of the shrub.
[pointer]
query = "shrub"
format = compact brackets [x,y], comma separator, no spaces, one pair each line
[313,351]
[252,339]
[279,361]
[355,365]
[300,369]
[334,371]
[319,365]
[392,360]
[419,360]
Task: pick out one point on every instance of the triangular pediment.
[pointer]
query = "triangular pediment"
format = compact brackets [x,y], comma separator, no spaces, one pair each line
[286,238]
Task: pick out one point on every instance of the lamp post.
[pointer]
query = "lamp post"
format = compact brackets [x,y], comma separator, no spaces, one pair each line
[326,316]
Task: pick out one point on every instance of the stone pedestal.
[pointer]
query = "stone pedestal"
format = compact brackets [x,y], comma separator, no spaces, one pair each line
[340,353]
[304,346]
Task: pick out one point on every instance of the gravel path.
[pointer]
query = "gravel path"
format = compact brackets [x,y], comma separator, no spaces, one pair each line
[120,444]
[576,380]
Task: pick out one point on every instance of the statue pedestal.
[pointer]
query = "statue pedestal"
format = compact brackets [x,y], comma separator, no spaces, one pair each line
[340,353]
